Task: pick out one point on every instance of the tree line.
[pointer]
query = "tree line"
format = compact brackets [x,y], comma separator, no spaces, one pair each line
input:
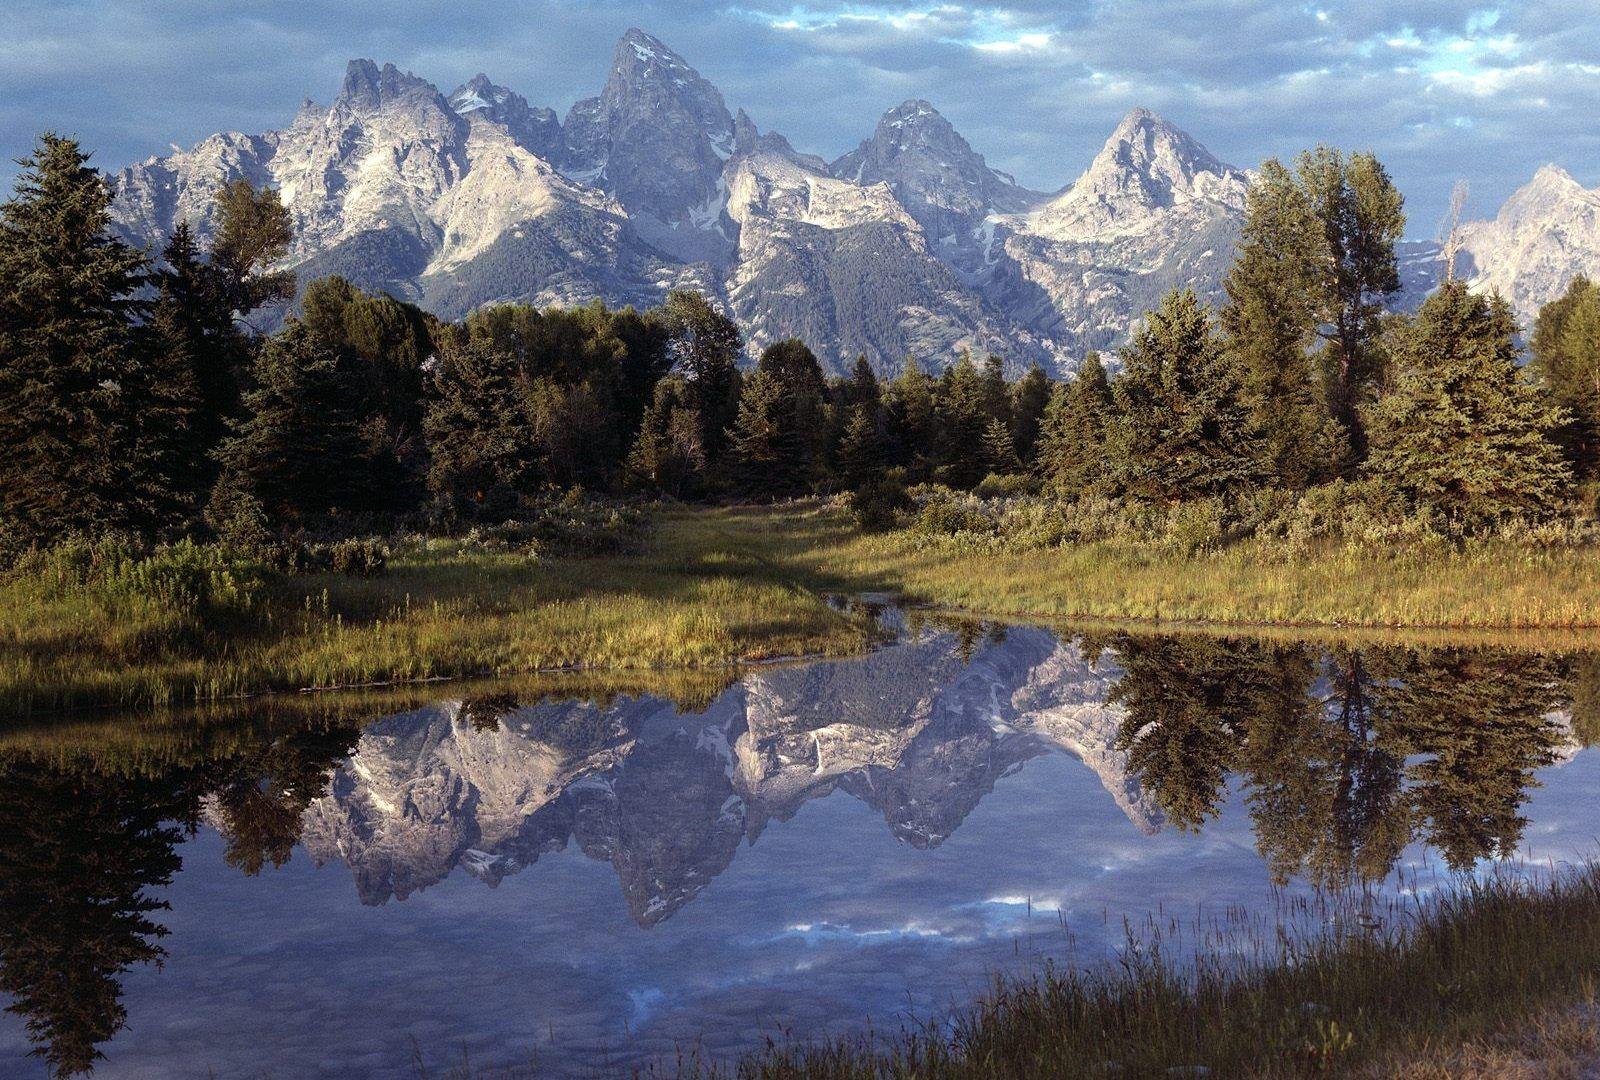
[136,397]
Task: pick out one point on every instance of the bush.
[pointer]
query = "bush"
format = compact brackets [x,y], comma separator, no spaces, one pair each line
[880,503]
[367,558]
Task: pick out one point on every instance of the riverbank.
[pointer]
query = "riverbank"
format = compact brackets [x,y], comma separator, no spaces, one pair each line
[713,587]
[1494,978]
[698,595]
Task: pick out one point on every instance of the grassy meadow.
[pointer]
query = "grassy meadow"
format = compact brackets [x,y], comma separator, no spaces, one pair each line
[709,587]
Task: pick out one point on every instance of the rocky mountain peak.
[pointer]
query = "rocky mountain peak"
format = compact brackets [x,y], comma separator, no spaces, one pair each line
[536,130]
[369,88]
[1147,165]
[656,136]
[1546,233]
[942,181]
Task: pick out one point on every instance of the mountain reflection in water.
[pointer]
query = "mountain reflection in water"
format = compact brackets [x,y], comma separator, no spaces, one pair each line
[1342,758]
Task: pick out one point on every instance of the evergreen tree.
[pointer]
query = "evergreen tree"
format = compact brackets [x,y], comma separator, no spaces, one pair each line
[1072,451]
[84,429]
[706,346]
[667,455]
[996,391]
[861,450]
[1566,358]
[764,445]
[253,231]
[477,429]
[1181,428]
[1362,217]
[1271,320]
[1029,399]
[910,419]
[863,389]
[1463,435]
[299,451]
[999,453]
[963,415]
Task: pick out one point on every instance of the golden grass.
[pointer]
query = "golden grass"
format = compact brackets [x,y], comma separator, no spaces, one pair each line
[701,595]
[1492,585]
[718,586]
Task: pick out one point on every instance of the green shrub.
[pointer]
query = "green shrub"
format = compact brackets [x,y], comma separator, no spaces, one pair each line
[881,502]
[367,558]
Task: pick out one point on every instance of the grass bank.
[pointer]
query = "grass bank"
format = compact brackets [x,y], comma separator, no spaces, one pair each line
[1486,585]
[718,586]
[703,592]
[1482,979]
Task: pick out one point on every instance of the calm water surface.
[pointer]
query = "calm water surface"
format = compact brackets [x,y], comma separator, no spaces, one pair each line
[592,884]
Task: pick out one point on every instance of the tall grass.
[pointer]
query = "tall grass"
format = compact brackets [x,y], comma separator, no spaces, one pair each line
[711,586]
[86,629]
[1475,967]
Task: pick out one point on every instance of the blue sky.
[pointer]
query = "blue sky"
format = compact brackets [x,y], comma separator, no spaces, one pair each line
[1441,90]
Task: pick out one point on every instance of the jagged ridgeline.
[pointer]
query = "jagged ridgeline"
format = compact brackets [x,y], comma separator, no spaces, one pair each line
[908,244]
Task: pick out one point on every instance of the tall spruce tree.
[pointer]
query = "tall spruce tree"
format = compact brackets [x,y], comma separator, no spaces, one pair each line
[1463,434]
[1072,445]
[298,453]
[477,429]
[1182,428]
[861,450]
[1030,396]
[1362,217]
[910,419]
[253,231]
[963,414]
[84,416]
[1566,358]
[1271,321]
[706,346]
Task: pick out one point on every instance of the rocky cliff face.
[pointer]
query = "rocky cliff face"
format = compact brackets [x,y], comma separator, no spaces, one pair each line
[913,731]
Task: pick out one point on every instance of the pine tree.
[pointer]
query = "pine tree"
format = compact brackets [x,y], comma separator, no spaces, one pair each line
[999,452]
[1181,429]
[1072,450]
[963,417]
[1362,217]
[477,429]
[863,388]
[1566,358]
[1463,435]
[910,419]
[298,452]
[82,418]
[861,450]
[1271,320]
[1029,399]
[253,231]
[762,443]
[996,391]
[667,455]
[706,345]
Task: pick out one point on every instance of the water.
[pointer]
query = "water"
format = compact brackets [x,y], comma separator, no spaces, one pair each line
[588,885]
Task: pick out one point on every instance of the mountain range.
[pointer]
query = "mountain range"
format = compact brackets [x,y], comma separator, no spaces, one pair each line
[910,243]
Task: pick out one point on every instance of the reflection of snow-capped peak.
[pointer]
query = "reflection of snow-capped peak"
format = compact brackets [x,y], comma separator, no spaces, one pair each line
[912,730]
